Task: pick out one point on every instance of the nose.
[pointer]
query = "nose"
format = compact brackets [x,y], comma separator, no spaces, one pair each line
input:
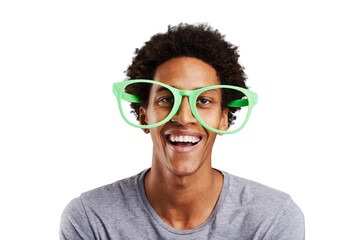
[184,115]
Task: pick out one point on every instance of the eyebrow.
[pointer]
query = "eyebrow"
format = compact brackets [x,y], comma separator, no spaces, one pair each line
[166,89]
[162,89]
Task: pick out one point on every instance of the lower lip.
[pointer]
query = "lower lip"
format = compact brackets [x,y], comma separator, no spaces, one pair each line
[182,149]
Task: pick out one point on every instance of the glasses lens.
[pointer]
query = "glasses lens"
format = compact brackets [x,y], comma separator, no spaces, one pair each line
[210,105]
[155,100]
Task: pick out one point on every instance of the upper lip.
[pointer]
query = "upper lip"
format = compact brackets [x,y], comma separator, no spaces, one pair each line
[183,133]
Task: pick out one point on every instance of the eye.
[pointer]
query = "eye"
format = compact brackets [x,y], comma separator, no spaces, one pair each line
[203,101]
[165,100]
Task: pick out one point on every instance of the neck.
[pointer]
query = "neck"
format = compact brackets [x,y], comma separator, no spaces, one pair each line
[183,202]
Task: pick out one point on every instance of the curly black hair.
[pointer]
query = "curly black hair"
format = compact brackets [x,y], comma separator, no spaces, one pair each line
[184,40]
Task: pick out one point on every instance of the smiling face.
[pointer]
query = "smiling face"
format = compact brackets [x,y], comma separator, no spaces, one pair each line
[182,146]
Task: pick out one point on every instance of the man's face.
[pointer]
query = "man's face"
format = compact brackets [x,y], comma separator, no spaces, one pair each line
[169,151]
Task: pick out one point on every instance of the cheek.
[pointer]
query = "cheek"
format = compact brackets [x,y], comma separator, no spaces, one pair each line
[155,115]
[156,136]
[211,117]
[210,142]
[151,115]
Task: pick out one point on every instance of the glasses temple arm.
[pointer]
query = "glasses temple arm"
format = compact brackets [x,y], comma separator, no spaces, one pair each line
[130,97]
[239,103]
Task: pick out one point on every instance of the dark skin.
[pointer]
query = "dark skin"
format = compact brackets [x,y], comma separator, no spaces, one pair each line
[181,186]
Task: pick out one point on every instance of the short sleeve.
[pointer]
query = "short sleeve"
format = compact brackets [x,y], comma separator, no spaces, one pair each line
[74,223]
[288,224]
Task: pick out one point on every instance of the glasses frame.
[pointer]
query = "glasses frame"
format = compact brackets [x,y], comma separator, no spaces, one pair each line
[118,90]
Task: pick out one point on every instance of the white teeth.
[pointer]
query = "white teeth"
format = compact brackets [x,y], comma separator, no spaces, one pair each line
[191,139]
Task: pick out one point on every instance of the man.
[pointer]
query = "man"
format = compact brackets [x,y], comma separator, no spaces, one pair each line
[185,87]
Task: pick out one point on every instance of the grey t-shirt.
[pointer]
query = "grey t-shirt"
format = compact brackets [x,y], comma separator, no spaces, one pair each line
[245,210]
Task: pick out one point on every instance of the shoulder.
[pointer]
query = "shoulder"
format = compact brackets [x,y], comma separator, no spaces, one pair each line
[119,191]
[95,207]
[264,206]
[249,193]
[101,198]
[74,222]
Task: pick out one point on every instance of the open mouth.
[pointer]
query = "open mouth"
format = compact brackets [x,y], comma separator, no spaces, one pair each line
[183,141]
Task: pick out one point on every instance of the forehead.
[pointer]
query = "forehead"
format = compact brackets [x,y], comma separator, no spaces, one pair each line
[186,73]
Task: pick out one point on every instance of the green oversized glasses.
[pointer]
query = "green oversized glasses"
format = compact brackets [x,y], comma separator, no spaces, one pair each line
[163,102]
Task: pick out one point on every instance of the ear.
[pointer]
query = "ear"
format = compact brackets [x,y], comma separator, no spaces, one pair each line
[143,119]
[224,120]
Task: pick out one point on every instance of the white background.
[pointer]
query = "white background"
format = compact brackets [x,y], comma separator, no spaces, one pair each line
[61,133]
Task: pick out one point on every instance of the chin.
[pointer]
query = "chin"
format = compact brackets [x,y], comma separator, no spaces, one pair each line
[183,168]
